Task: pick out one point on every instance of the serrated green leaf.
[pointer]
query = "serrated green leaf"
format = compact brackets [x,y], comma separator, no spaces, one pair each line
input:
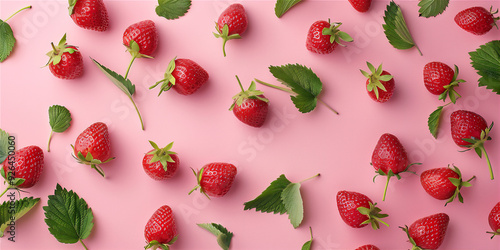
[123,84]
[270,200]
[59,118]
[282,6]
[172,9]
[303,82]
[433,121]
[395,28]
[223,235]
[16,210]
[68,216]
[430,8]
[7,40]
[486,61]
[293,203]
[4,145]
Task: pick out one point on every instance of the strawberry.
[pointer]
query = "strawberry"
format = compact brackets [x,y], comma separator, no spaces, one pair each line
[379,79]
[65,61]
[323,37]
[469,130]
[389,158]
[232,23]
[444,183]
[494,220]
[477,20]
[160,163]
[361,5]
[250,106]
[89,14]
[184,75]
[141,40]
[25,166]
[93,147]
[440,79]
[161,231]
[368,247]
[215,179]
[357,210]
[428,232]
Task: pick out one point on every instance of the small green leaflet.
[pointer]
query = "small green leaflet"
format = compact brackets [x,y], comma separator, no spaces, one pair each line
[123,84]
[431,8]
[172,9]
[308,244]
[223,235]
[59,118]
[7,40]
[395,28]
[4,145]
[486,61]
[68,216]
[293,203]
[20,208]
[282,6]
[433,121]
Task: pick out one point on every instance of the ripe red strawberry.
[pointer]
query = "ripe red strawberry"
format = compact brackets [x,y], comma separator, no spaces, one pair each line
[361,5]
[368,247]
[141,40]
[215,179]
[65,61]
[160,163]
[183,75]
[469,130]
[428,232]
[161,231]
[379,79]
[250,106]
[89,14]
[439,79]
[444,183]
[26,164]
[93,147]
[477,20]
[323,37]
[232,23]
[357,210]
[494,220]
[389,158]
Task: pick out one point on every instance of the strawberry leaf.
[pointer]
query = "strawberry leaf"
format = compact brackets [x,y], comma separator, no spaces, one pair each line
[7,40]
[293,203]
[270,200]
[4,145]
[123,84]
[282,6]
[59,118]
[223,235]
[16,210]
[68,216]
[308,244]
[172,9]
[396,30]
[433,121]
[431,8]
[486,61]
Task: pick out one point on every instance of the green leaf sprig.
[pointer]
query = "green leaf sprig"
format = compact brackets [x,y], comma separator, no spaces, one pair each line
[21,207]
[172,9]
[7,39]
[396,30]
[282,6]
[59,120]
[486,61]
[223,235]
[432,8]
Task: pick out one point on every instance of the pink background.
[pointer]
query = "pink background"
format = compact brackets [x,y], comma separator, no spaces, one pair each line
[297,145]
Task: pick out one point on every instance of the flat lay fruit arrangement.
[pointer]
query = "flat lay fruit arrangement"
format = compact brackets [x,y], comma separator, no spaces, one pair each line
[348,124]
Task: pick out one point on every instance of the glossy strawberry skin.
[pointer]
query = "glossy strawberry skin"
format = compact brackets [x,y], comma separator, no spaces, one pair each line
[429,232]
[236,19]
[436,183]
[155,170]
[436,76]
[29,162]
[252,112]
[494,218]
[368,247]
[94,140]
[161,226]
[189,76]
[383,96]
[389,154]
[466,124]
[348,203]
[91,14]
[476,20]
[70,66]
[317,42]
[144,33]
[361,5]
[217,178]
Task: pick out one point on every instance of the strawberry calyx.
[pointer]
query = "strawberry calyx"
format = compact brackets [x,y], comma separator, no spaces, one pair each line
[224,34]
[155,244]
[71,7]
[374,215]
[459,183]
[169,80]
[390,174]
[375,78]
[335,34]
[89,160]
[478,146]
[56,53]
[251,93]
[133,48]
[412,241]
[450,88]
[495,19]
[12,184]
[162,155]
[494,233]
[198,175]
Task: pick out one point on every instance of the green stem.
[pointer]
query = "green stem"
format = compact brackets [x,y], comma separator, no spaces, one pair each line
[50,138]
[98,169]
[328,106]
[276,87]
[241,86]
[27,7]
[5,191]
[81,241]
[386,185]
[224,46]
[473,177]
[488,161]
[381,221]
[418,50]
[312,177]
[139,113]
[130,64]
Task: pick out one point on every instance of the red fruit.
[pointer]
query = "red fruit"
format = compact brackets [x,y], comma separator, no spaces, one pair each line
[93,147]
[232,23]
[357,210]
[368,247]
[215,179]
[494,220]
[476,20]
[27,164]
[250,106]
[183,75]
[380,84]
[161,231]
[145,36]
[160,163]
[361,5]
[89,14]
[428,232]
[65,61]
[469,130]
[444,183]
[440,79]
[323,37]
